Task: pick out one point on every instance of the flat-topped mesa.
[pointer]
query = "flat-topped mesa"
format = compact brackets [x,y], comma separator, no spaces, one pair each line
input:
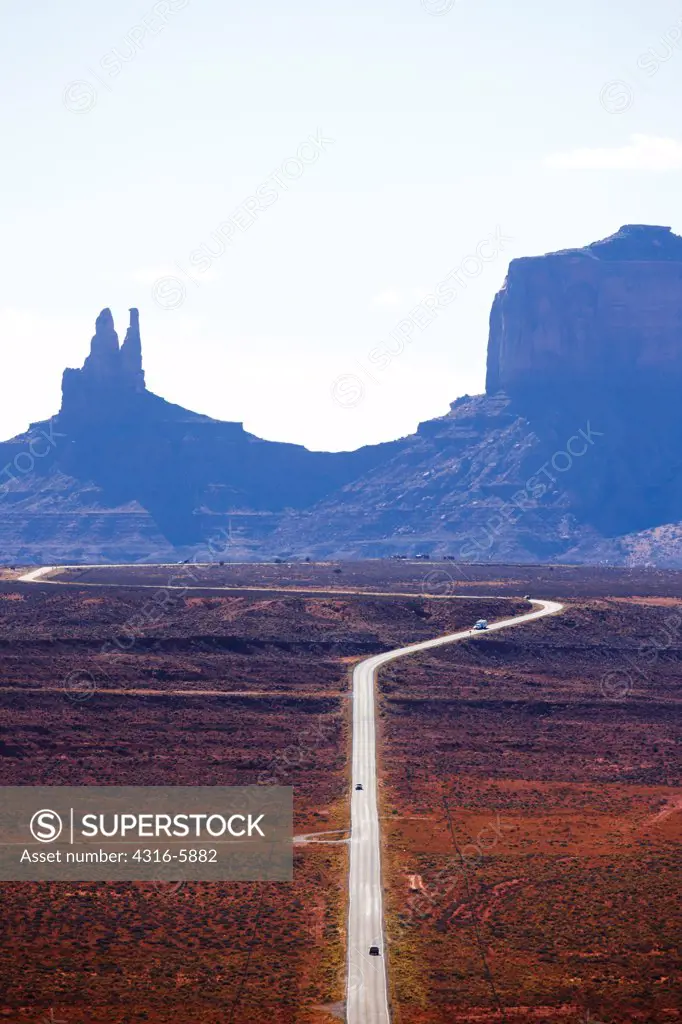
[110,374]
[602,318]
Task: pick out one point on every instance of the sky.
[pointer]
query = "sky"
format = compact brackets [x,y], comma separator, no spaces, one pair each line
[313,204]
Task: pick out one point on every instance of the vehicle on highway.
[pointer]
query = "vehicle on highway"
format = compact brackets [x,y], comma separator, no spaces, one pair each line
[374,951]
[359,785]
[481,624]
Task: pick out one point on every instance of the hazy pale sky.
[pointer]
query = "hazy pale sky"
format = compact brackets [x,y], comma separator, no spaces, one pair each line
[353,155]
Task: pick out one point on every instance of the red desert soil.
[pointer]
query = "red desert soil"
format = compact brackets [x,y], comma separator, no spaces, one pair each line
[89,695]
[531,779]
[419,577]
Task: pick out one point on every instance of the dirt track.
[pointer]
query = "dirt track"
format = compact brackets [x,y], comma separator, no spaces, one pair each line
[420,577]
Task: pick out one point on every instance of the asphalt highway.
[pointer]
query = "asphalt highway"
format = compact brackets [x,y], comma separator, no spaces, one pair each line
[367,984]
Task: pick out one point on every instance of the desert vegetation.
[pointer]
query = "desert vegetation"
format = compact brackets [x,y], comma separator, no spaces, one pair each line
[532,821]
[109,687]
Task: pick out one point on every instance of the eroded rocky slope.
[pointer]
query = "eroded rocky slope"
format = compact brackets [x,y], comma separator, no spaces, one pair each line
[572,454]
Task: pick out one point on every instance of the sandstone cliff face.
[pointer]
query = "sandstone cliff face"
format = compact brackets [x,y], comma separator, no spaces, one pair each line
[111,375]
[584,344]
[587,339]
[607,318]
[121,474]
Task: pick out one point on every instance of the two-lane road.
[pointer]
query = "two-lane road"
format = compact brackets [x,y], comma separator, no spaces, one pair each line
[367,987]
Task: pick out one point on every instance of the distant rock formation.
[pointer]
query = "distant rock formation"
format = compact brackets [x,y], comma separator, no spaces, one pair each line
[131,353]
[123,474]
[607,318]
[110,375]
[574,453]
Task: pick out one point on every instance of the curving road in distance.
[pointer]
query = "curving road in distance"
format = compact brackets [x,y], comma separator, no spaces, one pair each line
[367,986]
